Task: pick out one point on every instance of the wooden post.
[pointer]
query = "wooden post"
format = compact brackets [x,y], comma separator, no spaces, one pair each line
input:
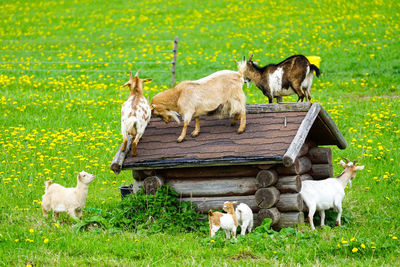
[204,204]
[290,202]
[271,213]
[175,50]
[300,166]
[289,219]
[289,184]
[266,178]
[321,171]
[267,197]
[116,164]
[320,155]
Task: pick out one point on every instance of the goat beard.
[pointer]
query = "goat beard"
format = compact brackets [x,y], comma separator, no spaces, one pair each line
[248,82]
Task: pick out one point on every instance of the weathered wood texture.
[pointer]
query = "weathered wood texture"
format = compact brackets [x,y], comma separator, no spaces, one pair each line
[117,162]
[301,165]
[212,172]
[266,137]
[201,187]
[271,213]
[266,178]
[275,107]
[301,135]
[320,155]
[267,197]
[204,204]
[305,177]
[290,202]
[321,171]
[289,184]
[152,183]
[289,219]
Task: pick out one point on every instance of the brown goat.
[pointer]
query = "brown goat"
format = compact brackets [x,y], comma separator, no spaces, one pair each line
[294,75]
[220,93]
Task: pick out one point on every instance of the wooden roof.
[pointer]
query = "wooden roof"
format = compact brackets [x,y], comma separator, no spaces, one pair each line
[274,134]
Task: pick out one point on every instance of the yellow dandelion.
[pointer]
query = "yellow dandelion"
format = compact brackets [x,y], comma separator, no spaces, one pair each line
[354,250]
[31,230]
[46,240]
[394,237]
[136,240]
[362,245]
[353,239]
[212,241]
[338,245]
[56,225]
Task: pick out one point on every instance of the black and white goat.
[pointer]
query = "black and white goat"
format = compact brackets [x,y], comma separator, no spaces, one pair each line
[294,75]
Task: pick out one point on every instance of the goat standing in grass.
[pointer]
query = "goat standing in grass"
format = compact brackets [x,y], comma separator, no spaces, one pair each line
[220,93]
[329,193]
[135,112]
[294,75]
[226,221]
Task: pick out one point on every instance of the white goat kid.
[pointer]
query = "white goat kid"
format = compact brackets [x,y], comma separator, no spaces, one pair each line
[61,199]
[329,193]
[226,221]
[244,216]
[135,112]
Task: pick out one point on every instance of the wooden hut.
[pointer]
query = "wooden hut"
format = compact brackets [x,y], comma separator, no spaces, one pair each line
[283,145]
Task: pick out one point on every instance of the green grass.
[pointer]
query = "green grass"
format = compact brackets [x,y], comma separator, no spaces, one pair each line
[61,70]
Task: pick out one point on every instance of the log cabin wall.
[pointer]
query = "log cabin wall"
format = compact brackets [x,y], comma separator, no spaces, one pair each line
[271,191]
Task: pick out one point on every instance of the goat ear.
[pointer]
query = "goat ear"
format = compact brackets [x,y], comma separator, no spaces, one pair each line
[147,80]
[342,164]
[359,168]
[251,57]
[126,84]
[137,73]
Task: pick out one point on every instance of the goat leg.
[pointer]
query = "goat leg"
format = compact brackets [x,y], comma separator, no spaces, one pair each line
[134,145]
[124,144]
[242,126]
[235,119]
[183,134]
[197,127]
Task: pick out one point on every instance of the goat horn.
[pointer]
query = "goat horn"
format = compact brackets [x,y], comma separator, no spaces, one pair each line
[251,57]
[137,73]
[347,160]
[130,77]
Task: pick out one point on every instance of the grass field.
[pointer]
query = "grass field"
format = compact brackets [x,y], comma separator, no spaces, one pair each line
[61,70]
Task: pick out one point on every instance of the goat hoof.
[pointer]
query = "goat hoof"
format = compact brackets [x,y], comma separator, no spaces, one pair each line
[240,131]
[194,134]
[180,139]
[134,154]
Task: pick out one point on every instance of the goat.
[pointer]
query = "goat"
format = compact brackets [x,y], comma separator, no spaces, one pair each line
[294,75]
[135,112]
[220,93]
[244,216]
[329,193]
[226,221]
[60,199]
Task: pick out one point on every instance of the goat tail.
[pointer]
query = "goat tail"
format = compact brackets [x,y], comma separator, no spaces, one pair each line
[48,183]
[316,69]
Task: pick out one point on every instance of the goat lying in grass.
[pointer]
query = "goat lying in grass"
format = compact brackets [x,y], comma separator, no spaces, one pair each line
[294,75]
[329,193]
[135,112]
[220,92]
[226,221]
[60,199]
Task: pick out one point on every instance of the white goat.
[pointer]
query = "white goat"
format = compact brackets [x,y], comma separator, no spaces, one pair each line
[329,193]
[226,221]
[220,92]
[61,199]
[135,112]
[244,216]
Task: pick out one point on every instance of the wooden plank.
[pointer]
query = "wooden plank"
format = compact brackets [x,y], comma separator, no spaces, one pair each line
[267,197]
[320,155]
[301,135]
[289,184]
[341,141]
[117,162]
[290,219]
[301,165]
[215,172]
[275,107]
[321,171]
[204,204]
[202,187]
[290,202]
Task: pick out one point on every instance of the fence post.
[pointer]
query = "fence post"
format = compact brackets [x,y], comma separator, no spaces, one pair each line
[175,50]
